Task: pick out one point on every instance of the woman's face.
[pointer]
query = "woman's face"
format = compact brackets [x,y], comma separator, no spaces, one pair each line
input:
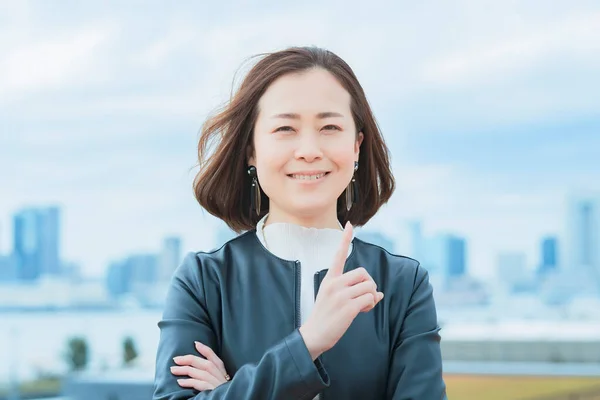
[305,144]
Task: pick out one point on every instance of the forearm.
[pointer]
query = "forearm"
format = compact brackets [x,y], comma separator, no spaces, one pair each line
[285,371]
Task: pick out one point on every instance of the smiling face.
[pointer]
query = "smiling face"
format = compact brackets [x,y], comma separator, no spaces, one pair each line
[305,146]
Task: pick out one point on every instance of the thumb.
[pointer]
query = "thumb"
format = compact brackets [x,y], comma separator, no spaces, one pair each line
[339,260]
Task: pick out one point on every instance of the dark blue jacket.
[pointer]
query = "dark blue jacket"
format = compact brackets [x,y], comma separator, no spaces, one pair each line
[244,303]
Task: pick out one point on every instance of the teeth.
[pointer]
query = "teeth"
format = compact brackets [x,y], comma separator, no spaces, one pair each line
[308,177]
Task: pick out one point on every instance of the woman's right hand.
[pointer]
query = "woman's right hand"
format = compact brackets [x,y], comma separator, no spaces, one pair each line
[341,297]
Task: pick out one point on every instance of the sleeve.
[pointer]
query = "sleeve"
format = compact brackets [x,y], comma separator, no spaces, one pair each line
[286,370]
[416,363]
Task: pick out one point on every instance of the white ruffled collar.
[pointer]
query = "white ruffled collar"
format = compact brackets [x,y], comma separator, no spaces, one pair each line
[290,241]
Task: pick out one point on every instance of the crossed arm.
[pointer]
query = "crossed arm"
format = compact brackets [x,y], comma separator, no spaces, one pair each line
[286,370]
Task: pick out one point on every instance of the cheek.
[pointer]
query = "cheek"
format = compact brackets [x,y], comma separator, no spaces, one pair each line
[270,162]
[342,156]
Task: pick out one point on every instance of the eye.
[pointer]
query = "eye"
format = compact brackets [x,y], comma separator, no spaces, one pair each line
[332,127]
[284,129]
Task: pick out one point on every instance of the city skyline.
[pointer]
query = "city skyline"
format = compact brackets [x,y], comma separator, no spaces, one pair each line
[142,278]
[433,250]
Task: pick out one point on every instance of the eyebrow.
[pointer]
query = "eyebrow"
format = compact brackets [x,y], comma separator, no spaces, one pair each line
[323,115]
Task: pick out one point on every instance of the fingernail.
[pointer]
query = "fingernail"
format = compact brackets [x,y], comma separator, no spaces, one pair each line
[175,359]
[380,295]
[198,343]
[347,225]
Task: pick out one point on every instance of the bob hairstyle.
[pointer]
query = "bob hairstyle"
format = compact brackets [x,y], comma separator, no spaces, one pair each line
[222,184]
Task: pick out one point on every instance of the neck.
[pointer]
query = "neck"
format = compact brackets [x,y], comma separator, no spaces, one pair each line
[325,220]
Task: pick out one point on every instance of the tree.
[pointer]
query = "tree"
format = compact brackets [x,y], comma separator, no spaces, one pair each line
[77,353]
[129,351]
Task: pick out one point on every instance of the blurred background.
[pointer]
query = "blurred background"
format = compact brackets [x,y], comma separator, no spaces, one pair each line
[490,109]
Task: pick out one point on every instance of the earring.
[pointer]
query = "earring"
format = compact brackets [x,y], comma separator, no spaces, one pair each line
[352,190]
[254,190]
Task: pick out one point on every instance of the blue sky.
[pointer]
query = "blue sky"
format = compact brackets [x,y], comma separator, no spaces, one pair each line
[490,110]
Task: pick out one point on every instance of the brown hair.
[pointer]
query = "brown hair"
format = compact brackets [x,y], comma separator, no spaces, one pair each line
[222,185]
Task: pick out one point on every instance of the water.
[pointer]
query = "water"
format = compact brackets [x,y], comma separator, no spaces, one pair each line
[32,342]
[35,342]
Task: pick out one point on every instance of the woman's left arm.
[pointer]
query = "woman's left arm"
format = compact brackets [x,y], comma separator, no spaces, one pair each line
[416,363]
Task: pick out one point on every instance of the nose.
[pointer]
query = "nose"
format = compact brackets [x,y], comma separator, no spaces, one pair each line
[309,147]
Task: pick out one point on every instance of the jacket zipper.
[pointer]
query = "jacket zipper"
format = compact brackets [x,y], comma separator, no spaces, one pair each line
[298,267]
[317,284]
[298,280]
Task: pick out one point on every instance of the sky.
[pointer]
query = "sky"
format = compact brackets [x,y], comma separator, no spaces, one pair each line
[490,110]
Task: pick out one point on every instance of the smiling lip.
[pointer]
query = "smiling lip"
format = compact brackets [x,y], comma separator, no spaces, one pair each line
[308,176]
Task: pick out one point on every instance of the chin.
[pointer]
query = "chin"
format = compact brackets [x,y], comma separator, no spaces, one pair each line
[309,208]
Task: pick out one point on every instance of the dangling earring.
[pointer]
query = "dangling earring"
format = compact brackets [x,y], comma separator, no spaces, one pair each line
[254,190]
[352,190]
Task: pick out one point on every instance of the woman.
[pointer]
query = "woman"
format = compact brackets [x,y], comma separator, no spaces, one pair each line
[294,308]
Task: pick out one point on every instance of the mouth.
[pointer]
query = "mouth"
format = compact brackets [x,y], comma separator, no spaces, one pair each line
[308,176]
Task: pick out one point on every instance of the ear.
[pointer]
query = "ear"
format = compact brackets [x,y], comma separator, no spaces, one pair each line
[359,140]
[251,161]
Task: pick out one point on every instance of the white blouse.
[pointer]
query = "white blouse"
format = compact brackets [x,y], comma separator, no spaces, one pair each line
[315,248]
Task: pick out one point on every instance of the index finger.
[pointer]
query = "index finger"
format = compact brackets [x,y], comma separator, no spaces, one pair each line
[340,257]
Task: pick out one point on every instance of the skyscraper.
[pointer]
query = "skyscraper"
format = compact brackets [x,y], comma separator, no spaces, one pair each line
[144,268]
[170,258]
[583,237]
[408,239]
[456,256]
[49,243]
[447,255]
[134,272]
[548,254]
[26,249]
[8,269]
[36,242]
[415,235]
[118,278]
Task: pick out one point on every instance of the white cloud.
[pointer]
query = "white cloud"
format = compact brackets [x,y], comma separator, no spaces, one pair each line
[51,62]
[179,34]
[577,37]
[399,59]
[456,65]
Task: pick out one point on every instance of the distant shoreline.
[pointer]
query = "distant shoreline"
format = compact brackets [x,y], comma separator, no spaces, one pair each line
[52,309]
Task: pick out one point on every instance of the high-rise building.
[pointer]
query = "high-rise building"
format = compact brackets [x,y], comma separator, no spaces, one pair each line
[138,270]
[8,269]
[144,268]
[26,247]
[456,256]
[50,240]
[583,238]
[118,278]
[170,258]
[548,255]
[415,240]
[447,255]
[36,242]
[409,239]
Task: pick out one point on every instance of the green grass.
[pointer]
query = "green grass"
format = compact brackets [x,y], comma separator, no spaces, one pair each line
[470,387]
[42,386]
[459,387]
